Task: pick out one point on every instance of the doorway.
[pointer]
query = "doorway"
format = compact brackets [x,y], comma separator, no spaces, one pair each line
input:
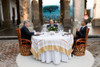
[13,15]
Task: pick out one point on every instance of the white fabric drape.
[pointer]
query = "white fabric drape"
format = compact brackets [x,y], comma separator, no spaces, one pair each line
[57,39]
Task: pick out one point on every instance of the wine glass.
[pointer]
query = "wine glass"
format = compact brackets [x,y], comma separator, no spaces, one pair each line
[69,31]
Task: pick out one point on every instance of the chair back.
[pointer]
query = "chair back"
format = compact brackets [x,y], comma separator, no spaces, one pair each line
[87,32]
[86,37]
[19,35]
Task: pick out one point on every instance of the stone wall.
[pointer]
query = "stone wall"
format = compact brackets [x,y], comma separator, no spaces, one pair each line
[96,22]
[96,17]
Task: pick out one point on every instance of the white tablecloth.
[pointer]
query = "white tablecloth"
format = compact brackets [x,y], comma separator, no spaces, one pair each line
[54,48]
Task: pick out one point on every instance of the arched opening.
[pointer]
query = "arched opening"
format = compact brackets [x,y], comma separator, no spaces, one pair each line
[55,10]
[63,15]
[61,11]
[51,10]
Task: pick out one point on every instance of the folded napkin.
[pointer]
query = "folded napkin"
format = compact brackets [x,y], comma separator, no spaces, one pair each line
[66,33]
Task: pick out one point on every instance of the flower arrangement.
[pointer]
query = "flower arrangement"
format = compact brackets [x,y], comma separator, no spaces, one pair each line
[52,28]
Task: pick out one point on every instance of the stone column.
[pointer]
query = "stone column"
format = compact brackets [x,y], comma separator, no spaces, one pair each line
[61,11]
[41,13]
[6,13]
[36,15]
[18,12]
[78,14]
[25,12]
[67,20]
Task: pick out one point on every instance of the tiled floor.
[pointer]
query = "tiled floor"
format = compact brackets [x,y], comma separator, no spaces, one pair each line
[93,45]
[9,49]
[8,53]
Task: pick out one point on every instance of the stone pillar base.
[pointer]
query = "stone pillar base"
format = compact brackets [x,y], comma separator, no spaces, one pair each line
[96,22]
[7,24]
[67,24]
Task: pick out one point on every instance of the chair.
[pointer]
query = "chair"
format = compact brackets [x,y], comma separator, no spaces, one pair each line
[24,44]
[79,50]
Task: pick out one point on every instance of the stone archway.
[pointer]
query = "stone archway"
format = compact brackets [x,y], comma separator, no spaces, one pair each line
[78,13]
[36,13]
[64,17]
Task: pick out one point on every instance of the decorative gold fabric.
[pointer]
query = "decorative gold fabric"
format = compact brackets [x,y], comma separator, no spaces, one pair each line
[51,48]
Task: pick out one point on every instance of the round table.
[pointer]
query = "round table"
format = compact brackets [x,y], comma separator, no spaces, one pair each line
[54,47]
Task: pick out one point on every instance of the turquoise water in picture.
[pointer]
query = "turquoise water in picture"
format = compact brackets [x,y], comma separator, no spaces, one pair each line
[55,15]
